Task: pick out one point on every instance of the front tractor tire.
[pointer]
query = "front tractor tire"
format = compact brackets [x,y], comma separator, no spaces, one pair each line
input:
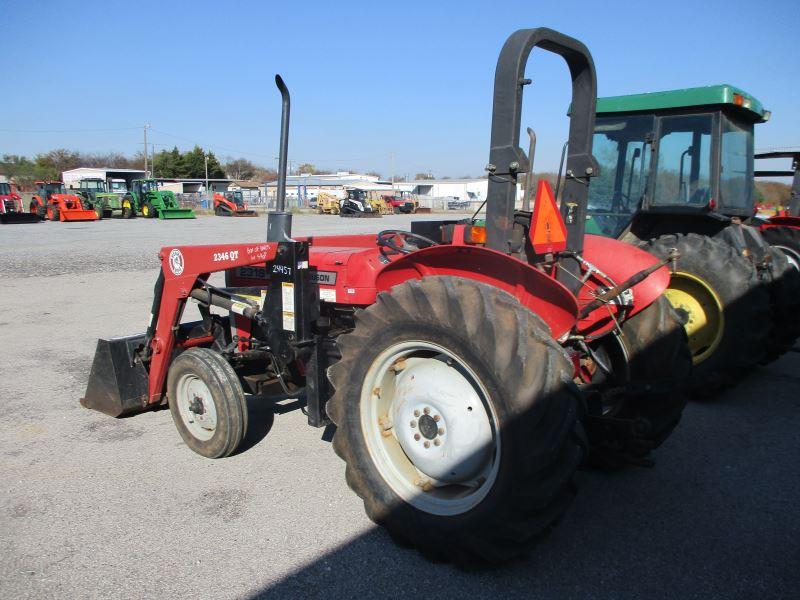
[641,377]
[128,210]
[724,309]
[457,418]
[148,211]
[207,402]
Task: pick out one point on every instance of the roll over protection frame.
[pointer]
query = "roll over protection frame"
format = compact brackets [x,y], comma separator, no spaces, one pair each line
[506,158]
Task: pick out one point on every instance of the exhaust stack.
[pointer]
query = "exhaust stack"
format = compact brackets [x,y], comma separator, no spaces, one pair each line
[279,222]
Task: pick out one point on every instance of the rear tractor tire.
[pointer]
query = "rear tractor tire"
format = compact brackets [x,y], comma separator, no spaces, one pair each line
[643,372]
[782,280]
[723,307]
[207,402]
[148,212]
[786,239]
[457,419]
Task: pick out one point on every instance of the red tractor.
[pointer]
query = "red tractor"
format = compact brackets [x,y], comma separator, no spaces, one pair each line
[11,210]
[52,202]
[231,204]
[783,229]
[468,369]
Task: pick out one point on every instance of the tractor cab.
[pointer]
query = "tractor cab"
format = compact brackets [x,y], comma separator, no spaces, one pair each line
[236,197]
[683,152]
[93,185]
[45,189]
[5,189]
[142,187]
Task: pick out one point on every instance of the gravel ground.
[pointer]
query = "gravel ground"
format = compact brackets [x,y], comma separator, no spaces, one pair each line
[96,507]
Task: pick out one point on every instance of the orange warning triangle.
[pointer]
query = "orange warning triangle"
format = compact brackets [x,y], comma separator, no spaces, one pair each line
[547,233]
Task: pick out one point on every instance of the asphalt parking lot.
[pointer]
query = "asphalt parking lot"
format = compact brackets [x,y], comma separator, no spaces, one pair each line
[96,507]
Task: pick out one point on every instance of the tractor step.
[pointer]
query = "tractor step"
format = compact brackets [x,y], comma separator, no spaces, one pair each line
[176,213]
[117,383]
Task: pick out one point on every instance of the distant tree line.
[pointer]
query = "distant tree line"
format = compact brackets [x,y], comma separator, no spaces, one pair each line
[166,164]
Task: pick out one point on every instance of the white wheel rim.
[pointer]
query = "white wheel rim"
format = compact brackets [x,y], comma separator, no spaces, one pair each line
[429,427]
[791,255]
[196,407]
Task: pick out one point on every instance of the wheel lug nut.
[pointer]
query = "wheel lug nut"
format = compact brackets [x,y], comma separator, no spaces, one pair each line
[426,410]
[413,423]
[427,444]
[416,413]
[441,430]
[437,442]
[437,418]
[416,437]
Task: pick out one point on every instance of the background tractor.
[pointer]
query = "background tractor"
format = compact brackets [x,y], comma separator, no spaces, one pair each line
[94,194]
[52,202]
[468,369]
[11,210]
[231,204]
[328,204]
[146,199]
[677,172]
[783,229]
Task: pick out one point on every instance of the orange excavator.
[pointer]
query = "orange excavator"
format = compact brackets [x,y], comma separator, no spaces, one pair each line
[231,204]
[52,202]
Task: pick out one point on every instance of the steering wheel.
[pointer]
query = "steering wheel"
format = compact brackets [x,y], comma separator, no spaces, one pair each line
[411,241]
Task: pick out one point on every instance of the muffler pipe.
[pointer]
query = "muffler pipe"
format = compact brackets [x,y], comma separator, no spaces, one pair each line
[279,222]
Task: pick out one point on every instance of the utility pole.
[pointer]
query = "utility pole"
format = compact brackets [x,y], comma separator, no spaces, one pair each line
[153,155]
[146,126]
[391,156]
[206,157]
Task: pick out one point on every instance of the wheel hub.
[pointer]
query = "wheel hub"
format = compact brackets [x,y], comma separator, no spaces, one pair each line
[445,430]
[701,311]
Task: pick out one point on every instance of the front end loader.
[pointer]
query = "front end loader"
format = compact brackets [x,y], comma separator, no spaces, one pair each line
[146,199]
[11,209]
[52,202]
[232,204]
[468,369]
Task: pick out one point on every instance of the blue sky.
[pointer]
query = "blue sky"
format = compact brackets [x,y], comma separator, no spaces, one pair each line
[367,79]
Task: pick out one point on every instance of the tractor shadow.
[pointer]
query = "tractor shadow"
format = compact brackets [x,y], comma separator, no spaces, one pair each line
[261,416]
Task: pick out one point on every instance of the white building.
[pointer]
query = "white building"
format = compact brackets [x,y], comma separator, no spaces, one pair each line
[115,178]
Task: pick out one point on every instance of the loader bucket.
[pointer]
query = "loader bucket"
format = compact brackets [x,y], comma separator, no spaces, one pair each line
[19,217]
[78,215]
[176,213]
[117,386]
[245,213]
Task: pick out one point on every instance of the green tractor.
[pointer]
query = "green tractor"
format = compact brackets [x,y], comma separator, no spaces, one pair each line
[676,172]
[94,195]
[144,198]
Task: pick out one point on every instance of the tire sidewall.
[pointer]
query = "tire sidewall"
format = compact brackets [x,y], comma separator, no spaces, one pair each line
[462,347]
[230,419]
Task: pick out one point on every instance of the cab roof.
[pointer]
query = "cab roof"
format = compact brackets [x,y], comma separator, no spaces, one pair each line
[711,95]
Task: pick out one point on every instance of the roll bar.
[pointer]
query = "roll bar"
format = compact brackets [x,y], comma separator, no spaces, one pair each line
[506,158]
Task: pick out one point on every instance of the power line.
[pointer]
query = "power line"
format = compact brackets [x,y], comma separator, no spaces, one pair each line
[67,130]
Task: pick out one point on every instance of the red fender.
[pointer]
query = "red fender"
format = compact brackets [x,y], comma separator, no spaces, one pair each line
[620,261]
[542,295]
[782,222]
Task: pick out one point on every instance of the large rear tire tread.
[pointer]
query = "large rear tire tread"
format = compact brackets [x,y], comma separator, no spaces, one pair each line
[659,358]
[745,303]
[229,400]
[528,378]
[783,283]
